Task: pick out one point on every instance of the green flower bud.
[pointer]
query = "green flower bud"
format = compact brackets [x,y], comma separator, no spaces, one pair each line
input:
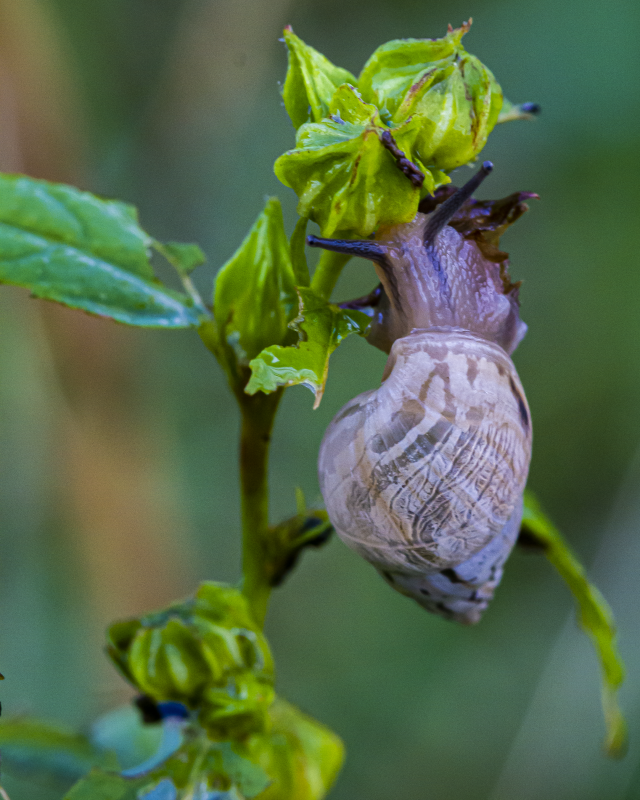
[344,174]
[456,97]
[311,81]
[207,653]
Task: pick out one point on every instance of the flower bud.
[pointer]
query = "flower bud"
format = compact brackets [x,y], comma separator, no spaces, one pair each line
[207,653]
[456,97]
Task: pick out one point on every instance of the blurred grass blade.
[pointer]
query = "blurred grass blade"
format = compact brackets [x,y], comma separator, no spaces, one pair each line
[76,249]
[594,615]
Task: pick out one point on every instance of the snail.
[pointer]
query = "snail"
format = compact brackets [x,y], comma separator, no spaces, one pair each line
[424,476]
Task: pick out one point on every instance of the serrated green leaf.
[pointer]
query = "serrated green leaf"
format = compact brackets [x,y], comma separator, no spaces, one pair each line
[594,615]
[48,752]
[255,296]
[71,247]
[345,178]
[311,81]
[99,785]
[456,97]
[300,754]
[322,326]
[184,257]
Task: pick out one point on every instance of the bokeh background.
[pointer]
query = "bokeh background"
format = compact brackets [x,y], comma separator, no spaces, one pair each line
[118,447]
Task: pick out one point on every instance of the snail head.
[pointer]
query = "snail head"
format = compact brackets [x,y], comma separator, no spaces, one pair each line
[443,269]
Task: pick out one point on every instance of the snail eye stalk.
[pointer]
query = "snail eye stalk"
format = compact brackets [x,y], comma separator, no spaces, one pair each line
[360,248]
[445,212]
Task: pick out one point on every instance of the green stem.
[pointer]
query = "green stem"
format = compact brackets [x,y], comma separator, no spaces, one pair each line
[258,414]
[327,273]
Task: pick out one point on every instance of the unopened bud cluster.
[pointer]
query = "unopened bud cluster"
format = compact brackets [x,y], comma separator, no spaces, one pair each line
[207,653]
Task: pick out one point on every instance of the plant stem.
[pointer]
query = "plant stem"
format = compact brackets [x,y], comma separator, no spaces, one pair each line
[327,272]
[258,414]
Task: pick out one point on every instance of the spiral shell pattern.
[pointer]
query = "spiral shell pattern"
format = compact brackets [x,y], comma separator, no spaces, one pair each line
[424,476]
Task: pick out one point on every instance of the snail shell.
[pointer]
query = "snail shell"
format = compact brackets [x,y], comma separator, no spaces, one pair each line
[424,476]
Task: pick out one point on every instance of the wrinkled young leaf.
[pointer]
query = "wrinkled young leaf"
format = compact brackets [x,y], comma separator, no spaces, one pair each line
[69,246]
[255,296]
[311,81]
[47,752]
[345,178]
[456,98]
[594,615]
[302,756]
[322,327]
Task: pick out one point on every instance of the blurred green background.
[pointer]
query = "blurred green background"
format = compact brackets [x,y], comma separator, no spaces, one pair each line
[118,447]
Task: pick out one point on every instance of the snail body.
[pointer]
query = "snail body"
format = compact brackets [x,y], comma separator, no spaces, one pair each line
[424,476]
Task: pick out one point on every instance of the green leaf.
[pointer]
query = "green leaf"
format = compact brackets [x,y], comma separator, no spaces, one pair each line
[71,247]
[322,327]
[255,295]
[456,97]
[249,777]
[99,785]
[48,752]
[184,257]
[594,614]
[201,766]
[301,755]
[345,178]
[311,81]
